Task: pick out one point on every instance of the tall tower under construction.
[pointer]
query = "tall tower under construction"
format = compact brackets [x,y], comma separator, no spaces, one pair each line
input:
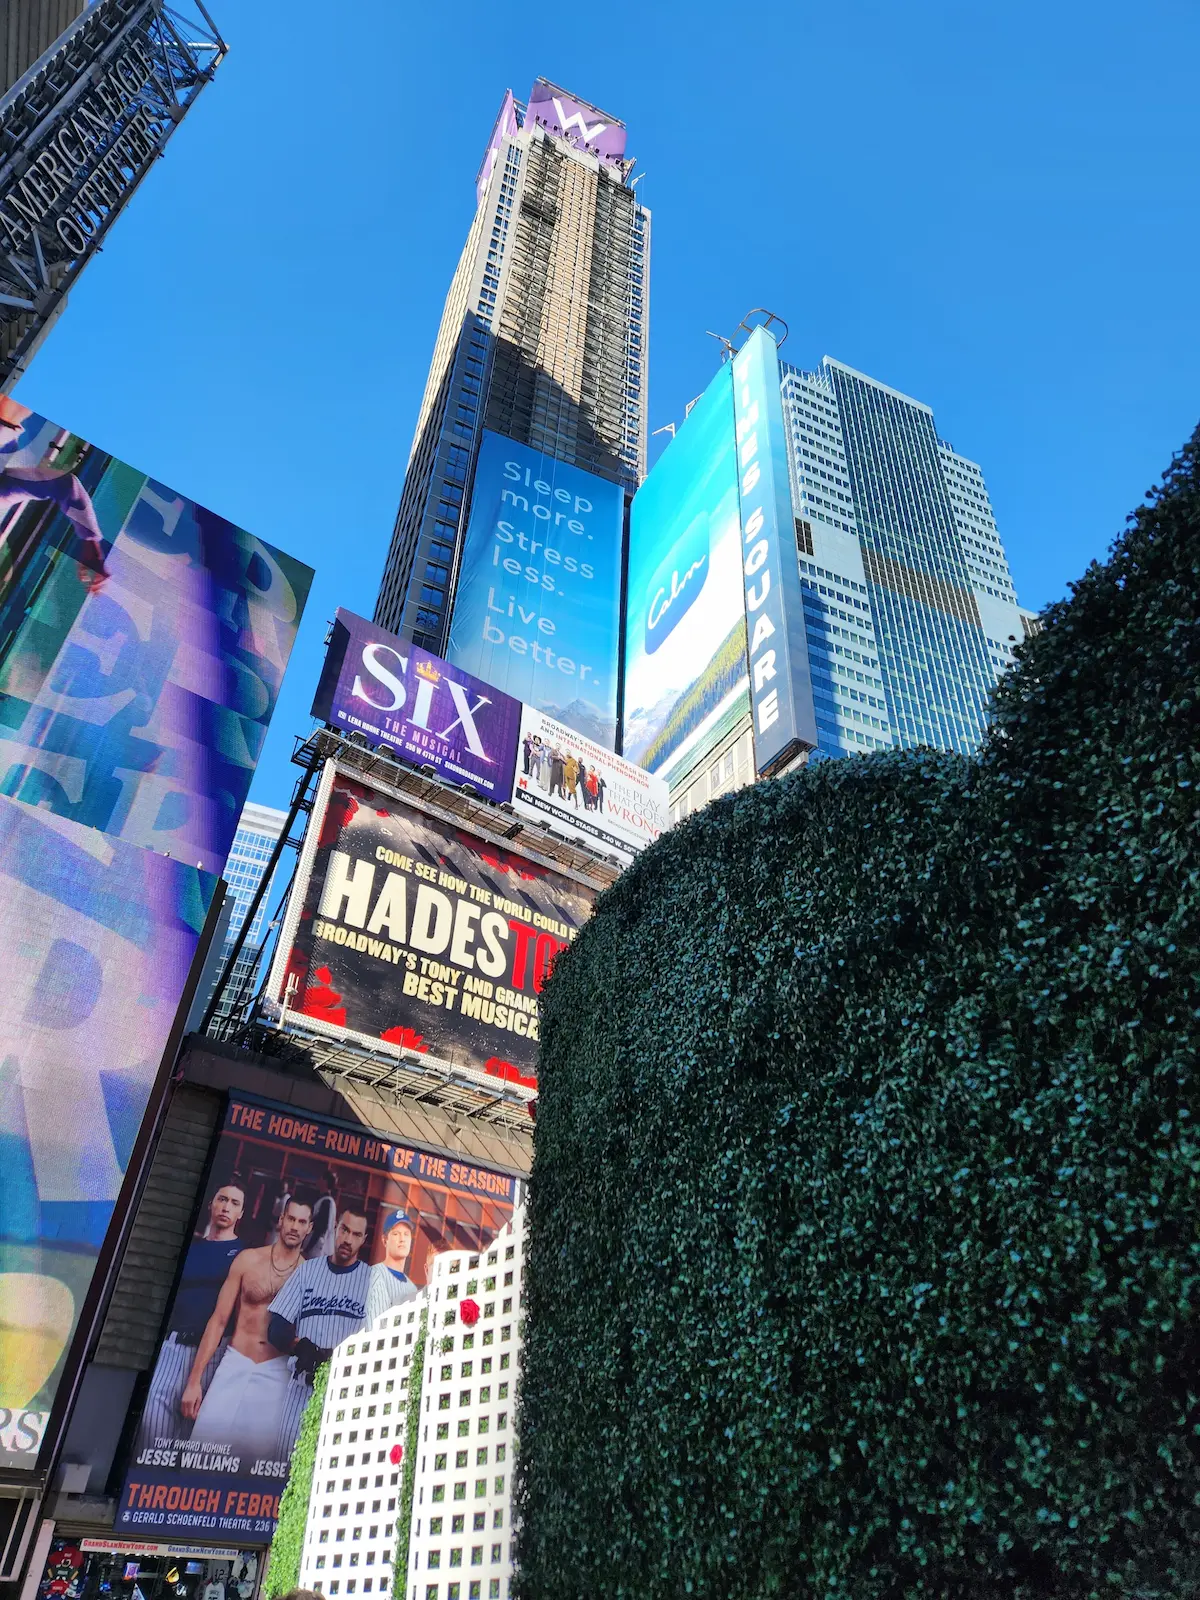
[543,339]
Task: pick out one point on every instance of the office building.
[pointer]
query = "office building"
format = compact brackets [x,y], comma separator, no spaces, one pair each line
[909,606]
[257,833]
[543,339]
[461,1536]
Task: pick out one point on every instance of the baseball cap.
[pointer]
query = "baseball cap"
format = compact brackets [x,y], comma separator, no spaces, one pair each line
[393,1217]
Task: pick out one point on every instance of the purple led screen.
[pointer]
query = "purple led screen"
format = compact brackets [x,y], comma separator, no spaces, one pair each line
[431,713]
[98,936]
[561,114]
[143,640]
[506,123]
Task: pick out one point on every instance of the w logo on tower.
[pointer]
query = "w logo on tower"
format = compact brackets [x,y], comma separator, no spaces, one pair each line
[578,121]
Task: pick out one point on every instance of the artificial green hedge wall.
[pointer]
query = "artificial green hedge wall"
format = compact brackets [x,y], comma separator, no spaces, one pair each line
[287,1545]
[864,1216]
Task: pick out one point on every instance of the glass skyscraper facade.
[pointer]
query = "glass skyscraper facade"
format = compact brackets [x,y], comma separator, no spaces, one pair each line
[257,833]
[910,609]
[544,339]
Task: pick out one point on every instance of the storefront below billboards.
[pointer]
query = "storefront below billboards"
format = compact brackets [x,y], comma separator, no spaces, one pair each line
[112,1569]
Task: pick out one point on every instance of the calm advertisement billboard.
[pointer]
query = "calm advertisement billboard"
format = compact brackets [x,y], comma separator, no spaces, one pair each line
[308,1229]
[685,628]
[584,791]
[143,640]
[430,713]
[406,929]
[537,611]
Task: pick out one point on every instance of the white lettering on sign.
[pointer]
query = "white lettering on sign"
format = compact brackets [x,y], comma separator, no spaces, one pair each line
[92,156]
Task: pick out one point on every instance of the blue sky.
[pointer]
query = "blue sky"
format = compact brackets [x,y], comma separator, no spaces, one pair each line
[993,207]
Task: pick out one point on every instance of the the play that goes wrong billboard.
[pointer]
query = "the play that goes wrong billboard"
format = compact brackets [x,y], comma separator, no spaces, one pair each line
[537,611]
[143,640]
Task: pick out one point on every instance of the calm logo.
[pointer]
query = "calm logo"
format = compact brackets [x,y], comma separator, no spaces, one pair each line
[677,583]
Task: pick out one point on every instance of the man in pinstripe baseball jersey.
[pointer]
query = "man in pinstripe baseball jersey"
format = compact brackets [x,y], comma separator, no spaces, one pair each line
[205,1267]
[240,1409]
[322,1303]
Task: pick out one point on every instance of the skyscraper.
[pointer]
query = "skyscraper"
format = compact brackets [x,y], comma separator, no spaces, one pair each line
[543,339]
[910,608]
[257,833]
[910,612]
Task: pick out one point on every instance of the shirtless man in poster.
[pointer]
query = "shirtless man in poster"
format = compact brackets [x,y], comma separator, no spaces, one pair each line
[241,1410]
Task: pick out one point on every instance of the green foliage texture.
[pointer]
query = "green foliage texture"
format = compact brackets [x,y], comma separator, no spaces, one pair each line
[287,1545]
[864,1214]
[408,1471]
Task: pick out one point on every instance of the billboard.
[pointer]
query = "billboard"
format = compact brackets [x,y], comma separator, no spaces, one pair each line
[784,719]
[506,124]
[308,1229]
[576,120]
[143,641]
[537,612]
[585,791]
[430,713]
[82,128]
[405,928]
[685,625]
[98,939]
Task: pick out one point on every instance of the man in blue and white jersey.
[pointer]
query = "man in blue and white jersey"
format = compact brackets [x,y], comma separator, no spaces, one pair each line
[322,1303]
[390,1284]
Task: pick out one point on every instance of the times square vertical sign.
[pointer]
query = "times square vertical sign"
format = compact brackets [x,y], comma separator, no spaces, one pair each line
[78,133]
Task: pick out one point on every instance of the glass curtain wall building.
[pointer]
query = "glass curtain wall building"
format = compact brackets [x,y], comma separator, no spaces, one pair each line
[909,607]
[543,339]
[257,833]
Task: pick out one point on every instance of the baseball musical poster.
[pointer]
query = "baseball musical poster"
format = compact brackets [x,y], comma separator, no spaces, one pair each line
[308,1229]
[409,930]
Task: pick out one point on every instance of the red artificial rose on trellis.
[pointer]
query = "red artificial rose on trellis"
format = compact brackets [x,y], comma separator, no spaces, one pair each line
[396,1455]
[468,1312]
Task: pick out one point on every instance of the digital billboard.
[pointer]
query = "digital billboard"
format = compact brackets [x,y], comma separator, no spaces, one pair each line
[584,791]
[143,641]
[98,939]
[429,712]
[308,1229]
[537,611]
[784,719]
[685,621]
[406,929]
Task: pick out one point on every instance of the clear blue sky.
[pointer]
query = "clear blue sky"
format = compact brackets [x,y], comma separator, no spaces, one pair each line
[993,207]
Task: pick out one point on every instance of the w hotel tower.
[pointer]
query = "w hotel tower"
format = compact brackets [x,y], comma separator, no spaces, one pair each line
[543,342]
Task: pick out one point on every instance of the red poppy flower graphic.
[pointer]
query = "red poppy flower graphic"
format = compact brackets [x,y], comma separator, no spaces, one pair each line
[323,1001]
[408,1038]
[468,1313]
[396,1454]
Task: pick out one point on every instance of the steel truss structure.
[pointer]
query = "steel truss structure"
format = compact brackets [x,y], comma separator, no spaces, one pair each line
[78,133]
